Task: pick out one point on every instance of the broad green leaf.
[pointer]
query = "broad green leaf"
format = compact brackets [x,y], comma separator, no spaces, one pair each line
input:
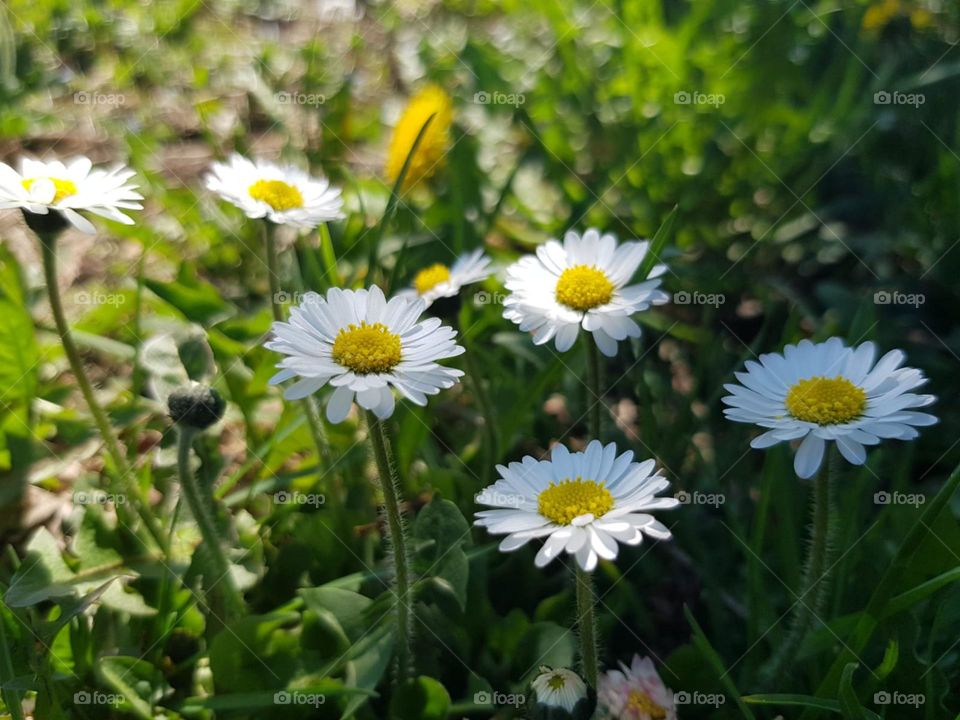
[422,698]
[140,684]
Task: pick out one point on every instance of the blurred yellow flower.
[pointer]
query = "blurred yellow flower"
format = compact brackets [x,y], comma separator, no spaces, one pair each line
[432,100]
[881,14]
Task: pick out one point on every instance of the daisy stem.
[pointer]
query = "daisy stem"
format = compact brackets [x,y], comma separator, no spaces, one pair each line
[815,586]
[202,508]
[308,403]
[595,400]
[119,458]
[397,537]
[491,443]
[586,625]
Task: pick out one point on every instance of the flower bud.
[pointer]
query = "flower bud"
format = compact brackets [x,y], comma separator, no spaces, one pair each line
[196,406]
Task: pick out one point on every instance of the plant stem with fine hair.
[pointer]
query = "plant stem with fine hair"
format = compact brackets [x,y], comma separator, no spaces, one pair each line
[815,586]
[202,506]
[114,450]
[395,526]
[309,405]
[587,625]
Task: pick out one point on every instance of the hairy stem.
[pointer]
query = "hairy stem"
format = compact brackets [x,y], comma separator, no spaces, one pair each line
[117,456]
[586,625]
[201,506]
[390,486]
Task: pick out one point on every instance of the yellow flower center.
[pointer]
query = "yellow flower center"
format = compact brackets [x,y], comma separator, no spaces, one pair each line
[642,705]
[277,194]
[567,500]
[582,287]
[367,348]
[556,682]
[826,401]
[64,188]
[430,277]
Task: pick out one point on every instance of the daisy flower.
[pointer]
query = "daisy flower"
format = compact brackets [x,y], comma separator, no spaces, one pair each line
[363,346]
[634,693]
[439,281]
[581,283]
[827,392]
[68,188]
[283,194]
[583,503]
[559,693]
[432,100]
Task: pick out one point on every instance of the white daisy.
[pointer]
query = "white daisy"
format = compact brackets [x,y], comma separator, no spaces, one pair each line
[439,281]
[363,346]
[583,503]
[829,392]
[283,194]
[559,688]
[634,692]
[581,283]
[69,187]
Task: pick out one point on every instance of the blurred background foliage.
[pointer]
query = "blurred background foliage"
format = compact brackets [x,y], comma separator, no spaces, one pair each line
[811,149]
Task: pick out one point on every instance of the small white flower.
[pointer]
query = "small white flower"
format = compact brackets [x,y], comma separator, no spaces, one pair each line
[829,392]
[363,346]
[559,688]
[439,281]
[634,693]
[582,283]
[283,194]
[69,187]
[583,503]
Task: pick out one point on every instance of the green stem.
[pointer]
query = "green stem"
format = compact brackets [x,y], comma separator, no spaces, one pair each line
[121,467]
[586,625]
[595,399]
[201,506]
[11,698]
[309,404]
[391,491]
[491,441]
[816,576]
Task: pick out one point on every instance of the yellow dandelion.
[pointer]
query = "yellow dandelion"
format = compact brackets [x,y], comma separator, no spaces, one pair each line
[432,100]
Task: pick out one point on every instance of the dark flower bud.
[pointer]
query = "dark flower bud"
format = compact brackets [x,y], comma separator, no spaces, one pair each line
[196,406]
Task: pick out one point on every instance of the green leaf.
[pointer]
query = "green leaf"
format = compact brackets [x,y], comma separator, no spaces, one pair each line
[706,649]
[137,681]
[422,698]
[444,530]
[850,706]
[658,243]
[791,699]
[197,300]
